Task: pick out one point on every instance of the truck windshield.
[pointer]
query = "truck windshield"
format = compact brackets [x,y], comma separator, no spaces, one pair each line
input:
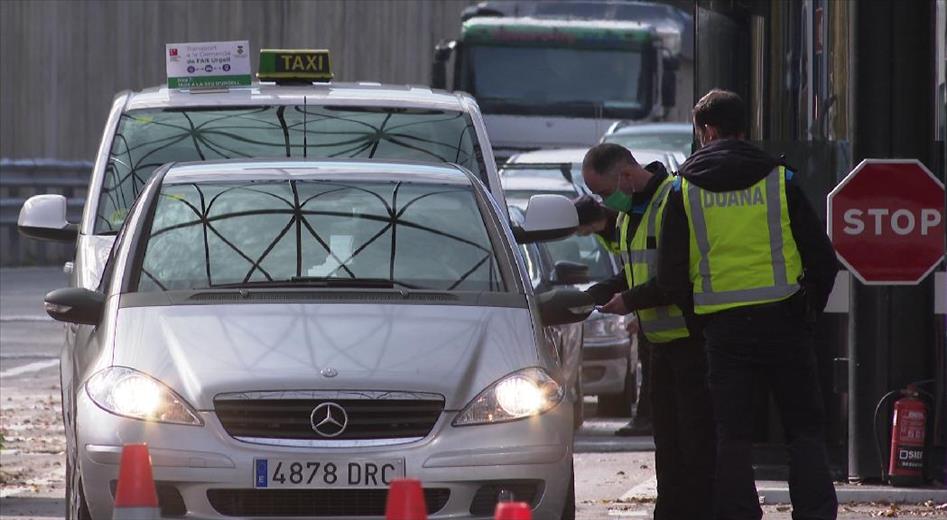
[318,233]
[576,82]
[146,139]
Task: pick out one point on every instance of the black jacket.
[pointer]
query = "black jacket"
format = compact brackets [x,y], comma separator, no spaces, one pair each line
[730,165]
[649,294]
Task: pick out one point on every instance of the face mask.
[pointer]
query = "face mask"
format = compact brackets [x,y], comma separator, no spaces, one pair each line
[618,200]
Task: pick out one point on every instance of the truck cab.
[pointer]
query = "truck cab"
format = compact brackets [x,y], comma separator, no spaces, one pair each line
[552,79]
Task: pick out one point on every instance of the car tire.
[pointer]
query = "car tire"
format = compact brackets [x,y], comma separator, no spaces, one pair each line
[568,510]
[620,405]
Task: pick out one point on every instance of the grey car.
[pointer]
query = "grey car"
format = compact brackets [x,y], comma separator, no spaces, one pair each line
[289,337]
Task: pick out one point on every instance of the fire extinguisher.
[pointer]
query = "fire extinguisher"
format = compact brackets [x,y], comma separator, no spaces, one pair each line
[908,427]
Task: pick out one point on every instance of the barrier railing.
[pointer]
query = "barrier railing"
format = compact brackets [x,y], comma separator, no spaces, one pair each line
[20,179]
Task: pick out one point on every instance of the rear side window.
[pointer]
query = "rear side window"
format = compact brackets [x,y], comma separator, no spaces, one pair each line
[146,139]
[422,236]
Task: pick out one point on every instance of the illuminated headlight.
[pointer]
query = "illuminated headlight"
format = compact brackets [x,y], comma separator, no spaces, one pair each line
[130,393]
[605,326]
[521,394]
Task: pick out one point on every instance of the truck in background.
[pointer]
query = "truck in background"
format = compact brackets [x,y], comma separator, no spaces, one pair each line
[558,74]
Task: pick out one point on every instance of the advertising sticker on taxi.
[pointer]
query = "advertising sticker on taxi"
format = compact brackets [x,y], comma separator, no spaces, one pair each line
[208,64]
[326,473]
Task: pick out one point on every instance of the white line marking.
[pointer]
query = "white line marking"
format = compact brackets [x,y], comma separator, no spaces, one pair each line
[646,489]
[26,317]
[29,367]
[27,355]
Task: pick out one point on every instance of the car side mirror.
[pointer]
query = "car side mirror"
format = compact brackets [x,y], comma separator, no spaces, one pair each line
[442,54]
[547,217]
[44,217]
[571,273]
[564,305]
[75,305]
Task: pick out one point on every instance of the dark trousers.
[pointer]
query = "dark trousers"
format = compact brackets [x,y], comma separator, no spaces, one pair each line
[683,430]
[643,404]
[768,343]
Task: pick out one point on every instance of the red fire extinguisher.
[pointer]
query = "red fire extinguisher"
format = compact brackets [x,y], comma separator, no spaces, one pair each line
[906,465]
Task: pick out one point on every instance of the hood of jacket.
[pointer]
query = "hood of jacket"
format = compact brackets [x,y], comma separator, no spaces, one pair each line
[727,165]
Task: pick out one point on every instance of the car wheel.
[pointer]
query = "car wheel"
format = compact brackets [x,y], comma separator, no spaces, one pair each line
[76,506]
[568,510]
[620,405]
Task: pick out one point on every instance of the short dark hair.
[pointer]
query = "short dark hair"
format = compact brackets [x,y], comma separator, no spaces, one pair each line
[603,157]
[589,210]
[723,110]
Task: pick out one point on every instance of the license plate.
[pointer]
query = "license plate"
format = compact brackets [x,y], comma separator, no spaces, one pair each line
[326,473]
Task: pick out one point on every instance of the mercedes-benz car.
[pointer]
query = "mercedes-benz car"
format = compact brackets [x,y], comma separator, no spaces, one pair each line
[289,337]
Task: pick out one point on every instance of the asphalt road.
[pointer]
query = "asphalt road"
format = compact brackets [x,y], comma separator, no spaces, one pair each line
[32,460]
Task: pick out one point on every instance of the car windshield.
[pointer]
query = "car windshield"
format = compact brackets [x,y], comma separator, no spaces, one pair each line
[307,232]
[555,80]
[671,141]
[585,250]
[146,139]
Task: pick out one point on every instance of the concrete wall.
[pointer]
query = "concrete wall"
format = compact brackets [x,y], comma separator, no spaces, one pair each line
[61,62]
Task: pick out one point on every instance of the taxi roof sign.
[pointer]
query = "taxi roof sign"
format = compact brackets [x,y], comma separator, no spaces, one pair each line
[294,65]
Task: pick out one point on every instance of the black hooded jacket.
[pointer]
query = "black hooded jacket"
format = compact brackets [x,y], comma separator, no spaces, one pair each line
[731,165]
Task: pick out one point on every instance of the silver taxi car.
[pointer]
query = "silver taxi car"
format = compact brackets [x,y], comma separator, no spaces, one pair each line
[288,337]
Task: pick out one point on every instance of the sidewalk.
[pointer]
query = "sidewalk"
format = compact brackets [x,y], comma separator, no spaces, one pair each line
[776,492]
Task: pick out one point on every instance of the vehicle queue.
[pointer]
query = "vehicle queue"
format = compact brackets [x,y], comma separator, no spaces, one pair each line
[257,272]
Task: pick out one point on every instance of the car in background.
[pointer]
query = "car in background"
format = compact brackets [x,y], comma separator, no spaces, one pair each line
[610,367]
[673,138]
[288,337]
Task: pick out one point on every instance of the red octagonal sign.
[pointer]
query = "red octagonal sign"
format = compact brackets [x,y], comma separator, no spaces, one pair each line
[886,221]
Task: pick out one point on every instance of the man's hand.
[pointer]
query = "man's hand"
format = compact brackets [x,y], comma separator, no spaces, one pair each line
[615,306]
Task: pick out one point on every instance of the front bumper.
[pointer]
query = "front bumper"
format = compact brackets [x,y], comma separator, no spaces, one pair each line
[605,366]
[460,462]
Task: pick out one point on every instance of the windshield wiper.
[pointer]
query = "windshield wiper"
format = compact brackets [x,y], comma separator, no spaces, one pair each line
[319,281]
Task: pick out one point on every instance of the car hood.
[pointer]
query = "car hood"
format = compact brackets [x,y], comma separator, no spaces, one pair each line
[204,350]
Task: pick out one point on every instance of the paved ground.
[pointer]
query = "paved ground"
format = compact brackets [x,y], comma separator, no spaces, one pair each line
[614,476]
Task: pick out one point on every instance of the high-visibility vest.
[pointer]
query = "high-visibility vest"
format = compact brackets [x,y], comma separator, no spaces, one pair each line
[609,245]
[742,251]
[660,324]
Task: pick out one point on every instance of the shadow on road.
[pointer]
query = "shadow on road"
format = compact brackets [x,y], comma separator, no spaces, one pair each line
[34,507]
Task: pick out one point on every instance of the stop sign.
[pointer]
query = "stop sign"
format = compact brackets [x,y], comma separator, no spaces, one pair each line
[886,221]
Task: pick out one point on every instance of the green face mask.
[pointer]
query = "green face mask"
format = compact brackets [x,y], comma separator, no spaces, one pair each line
[618,200]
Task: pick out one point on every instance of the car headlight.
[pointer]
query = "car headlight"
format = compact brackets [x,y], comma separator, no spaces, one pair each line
[521,394]
[129,393]
[605,327]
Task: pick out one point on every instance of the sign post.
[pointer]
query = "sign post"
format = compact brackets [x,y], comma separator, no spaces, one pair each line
[208,65]
[886,221]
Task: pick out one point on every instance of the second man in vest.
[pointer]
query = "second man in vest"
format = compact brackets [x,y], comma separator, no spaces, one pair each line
[681,406]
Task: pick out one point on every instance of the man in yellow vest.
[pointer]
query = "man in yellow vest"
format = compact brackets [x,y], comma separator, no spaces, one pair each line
[605,225]
[681,407]
[742,242]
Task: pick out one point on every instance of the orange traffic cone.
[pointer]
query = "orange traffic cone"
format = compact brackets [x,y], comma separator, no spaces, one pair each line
[135,497]
[405,501]
[513,511]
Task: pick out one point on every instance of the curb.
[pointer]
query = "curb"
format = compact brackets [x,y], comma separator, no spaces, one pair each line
[778,493]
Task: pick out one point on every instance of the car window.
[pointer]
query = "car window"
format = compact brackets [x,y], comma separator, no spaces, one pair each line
[146,139]
[672,142]
[585,250]
[423,236]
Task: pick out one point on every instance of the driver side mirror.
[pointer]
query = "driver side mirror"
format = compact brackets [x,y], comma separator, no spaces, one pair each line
[547,217]
[44,217]
[571,273]
[564,305]
[75,305]
[442,54]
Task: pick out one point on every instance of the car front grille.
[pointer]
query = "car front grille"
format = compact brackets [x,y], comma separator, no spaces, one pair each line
[290,418]
[312,502]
